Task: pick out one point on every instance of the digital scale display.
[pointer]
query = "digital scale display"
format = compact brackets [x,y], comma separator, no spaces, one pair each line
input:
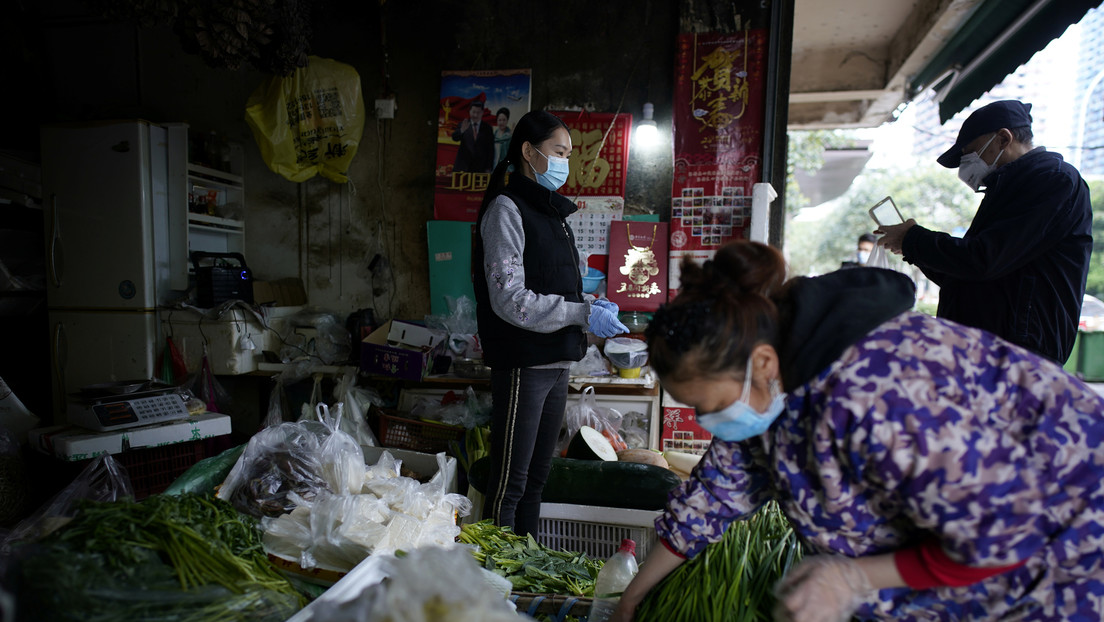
[129,412]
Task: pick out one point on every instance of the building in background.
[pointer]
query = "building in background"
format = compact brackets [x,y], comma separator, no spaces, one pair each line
[1087,136]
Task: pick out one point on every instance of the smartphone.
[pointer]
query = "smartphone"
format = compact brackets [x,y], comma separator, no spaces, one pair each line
[885,212]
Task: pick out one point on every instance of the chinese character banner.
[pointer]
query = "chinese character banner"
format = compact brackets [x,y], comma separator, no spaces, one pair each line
[476,116]
[600,153]
[720,81]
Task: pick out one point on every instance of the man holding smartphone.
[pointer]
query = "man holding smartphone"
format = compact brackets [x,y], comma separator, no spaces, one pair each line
[1019,271]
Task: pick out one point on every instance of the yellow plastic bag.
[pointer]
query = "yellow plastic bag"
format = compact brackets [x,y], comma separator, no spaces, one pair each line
[309,122]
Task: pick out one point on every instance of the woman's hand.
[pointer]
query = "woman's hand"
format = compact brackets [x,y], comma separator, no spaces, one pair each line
[822,588]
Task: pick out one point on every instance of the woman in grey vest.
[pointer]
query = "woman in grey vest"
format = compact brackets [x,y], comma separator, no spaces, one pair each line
[532,313]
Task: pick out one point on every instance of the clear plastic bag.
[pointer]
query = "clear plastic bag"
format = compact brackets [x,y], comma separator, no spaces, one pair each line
[587,412]
[103,479]
[423,581]
[592,364]
[280,468]
[634,429]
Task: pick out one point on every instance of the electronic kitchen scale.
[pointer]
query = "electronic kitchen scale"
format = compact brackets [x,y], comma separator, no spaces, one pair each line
[119,405]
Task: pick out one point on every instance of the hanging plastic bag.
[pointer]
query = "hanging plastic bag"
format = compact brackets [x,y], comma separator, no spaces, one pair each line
[310,122]
[206,388]
[173,368]
[879,258]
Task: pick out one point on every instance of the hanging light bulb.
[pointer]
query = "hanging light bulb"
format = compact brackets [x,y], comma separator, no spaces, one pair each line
[647,133]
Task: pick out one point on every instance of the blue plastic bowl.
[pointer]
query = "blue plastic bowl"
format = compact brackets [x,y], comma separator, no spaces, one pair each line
[591,280]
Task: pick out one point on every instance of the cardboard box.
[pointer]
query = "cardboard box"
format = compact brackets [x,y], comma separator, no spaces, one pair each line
[423,464]
[72,443]
[287,292]
[680,430]
[401,350]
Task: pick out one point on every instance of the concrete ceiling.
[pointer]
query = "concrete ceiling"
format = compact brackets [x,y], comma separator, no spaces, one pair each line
[852,59]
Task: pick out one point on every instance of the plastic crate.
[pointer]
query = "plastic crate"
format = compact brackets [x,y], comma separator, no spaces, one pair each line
[152,469]
[596,531]
[554,607]
[415,435]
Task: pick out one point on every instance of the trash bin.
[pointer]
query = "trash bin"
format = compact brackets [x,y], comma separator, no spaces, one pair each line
[1090,356]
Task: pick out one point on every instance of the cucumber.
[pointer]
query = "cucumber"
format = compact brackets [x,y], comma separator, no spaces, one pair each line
[597,482]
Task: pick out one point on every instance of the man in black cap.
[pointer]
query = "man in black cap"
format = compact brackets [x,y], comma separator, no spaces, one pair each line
[1019,271]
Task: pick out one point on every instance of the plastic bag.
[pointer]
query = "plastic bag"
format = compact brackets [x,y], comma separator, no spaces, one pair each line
[431,579]
[358,401]
[626,352]
[205,387]
[329,345]
[173,368]
[592,364]
[461,326]
[471,412]
[310,122]
[103,479]
[879,258]
[278,406]
[587,412]
[634,429]
[280,468]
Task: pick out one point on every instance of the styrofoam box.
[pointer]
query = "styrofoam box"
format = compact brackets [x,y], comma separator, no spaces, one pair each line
[223,337]
[423,464]
[73,443]
[596,531]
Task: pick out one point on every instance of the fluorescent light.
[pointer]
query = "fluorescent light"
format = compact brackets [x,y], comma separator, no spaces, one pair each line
[647,133]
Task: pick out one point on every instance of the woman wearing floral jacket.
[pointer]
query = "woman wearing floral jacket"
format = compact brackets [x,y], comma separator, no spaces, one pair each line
[935,471]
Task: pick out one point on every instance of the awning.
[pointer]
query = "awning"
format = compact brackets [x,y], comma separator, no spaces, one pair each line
[1000,36]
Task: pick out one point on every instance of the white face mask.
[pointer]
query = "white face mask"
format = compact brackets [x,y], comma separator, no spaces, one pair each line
[863,256]
[972,169]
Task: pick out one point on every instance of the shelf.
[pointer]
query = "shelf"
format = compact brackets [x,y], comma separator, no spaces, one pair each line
[212,175]
[215,223]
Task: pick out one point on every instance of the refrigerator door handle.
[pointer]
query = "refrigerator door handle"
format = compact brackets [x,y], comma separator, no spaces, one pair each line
[60,351]
[55,243]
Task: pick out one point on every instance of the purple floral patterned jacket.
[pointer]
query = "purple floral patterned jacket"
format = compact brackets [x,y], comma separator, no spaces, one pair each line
[925,428]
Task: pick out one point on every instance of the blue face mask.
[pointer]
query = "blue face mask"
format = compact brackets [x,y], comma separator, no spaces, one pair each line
[556,175]
[739,421]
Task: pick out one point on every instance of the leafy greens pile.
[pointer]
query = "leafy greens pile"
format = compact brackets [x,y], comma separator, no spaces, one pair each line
[529,565]
[180,558]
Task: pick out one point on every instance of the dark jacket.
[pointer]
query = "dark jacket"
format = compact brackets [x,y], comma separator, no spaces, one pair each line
[1019,271]
[551,264]
[475,154]
[822,316]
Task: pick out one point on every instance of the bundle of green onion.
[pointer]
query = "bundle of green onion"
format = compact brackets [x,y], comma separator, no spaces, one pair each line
[733,579]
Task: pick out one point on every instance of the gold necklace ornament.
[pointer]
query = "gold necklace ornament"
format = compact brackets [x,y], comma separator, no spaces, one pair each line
[640,266]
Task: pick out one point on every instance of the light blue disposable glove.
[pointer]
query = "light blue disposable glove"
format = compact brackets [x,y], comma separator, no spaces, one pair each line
[607,304]
[604,323]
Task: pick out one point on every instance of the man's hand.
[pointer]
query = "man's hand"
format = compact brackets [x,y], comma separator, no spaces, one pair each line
[464,125]
[893,236]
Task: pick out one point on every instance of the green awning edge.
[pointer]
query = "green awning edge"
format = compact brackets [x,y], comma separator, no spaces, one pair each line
[987,22]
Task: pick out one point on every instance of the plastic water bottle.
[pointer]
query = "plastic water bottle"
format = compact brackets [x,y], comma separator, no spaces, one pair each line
[612,580]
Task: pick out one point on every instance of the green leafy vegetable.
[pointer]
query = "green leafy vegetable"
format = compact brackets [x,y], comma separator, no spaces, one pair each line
[732,579]
[182,558]
[529,565]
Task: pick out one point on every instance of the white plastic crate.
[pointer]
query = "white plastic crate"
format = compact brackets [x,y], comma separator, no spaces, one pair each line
[596,531]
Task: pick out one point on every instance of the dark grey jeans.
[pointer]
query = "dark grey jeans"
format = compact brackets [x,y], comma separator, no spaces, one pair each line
[527,413]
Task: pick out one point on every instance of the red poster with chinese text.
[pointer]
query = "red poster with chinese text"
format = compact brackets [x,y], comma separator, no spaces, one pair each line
[637,276]
[475,117]
[720,82]
[599,154]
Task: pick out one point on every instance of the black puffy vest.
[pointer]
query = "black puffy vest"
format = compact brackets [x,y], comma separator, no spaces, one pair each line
[551,264]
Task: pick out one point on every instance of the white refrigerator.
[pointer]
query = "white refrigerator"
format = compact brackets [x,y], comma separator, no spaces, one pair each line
[106,196]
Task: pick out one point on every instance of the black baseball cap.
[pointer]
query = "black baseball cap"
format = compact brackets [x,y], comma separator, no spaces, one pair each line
[1007,113]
